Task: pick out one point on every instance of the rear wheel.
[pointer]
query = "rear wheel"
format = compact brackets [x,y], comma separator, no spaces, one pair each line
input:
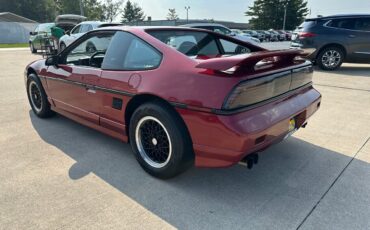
[37,97]
[330,58]
[160,140]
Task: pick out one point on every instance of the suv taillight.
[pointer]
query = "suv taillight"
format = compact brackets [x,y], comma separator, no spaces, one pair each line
[306,35]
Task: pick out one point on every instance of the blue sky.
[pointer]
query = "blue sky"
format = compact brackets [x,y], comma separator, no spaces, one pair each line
[233,10]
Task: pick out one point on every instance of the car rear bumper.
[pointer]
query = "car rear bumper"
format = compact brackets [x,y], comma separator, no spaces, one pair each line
[224,140]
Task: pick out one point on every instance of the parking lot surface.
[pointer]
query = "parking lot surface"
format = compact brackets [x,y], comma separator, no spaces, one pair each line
[56,174]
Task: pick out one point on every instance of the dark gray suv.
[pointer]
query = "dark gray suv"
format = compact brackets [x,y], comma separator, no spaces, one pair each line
[330,41]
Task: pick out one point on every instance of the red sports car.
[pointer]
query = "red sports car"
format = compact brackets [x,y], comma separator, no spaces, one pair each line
[180,96]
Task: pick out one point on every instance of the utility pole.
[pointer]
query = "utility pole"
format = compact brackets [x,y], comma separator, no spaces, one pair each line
[187,8]
[285,9]
[81,8]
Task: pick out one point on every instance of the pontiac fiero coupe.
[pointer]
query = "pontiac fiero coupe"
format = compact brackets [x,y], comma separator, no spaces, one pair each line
[180,96]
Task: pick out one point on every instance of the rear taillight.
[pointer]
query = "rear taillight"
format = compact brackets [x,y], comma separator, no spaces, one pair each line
[254,91]
[306,35]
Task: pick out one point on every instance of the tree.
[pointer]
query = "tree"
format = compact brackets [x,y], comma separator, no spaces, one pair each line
[93,9]
[269,14]
[172,15]
[112,9]
[38,10]
[132,13]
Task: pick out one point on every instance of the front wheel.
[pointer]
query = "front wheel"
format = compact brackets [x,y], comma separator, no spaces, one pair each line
[37,97]
[330,58]
[160,140]
[32,48]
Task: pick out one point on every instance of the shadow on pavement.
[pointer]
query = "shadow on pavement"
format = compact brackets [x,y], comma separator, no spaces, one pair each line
[278,193]
[353,70]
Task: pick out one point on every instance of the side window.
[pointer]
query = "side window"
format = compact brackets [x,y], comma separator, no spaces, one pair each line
[76,30]
[90,52]
[37,29]
[363,24]
[84,28]
[128,52]
[233,48]
[343,23]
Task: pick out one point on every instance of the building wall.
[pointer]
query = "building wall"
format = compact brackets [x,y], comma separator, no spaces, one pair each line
[14,32]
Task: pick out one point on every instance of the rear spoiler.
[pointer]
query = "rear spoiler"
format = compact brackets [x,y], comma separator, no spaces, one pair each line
[249,61]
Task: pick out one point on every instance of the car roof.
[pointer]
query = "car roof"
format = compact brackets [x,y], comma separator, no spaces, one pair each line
[202,24]
[338,16]
[90,22]
[144,28]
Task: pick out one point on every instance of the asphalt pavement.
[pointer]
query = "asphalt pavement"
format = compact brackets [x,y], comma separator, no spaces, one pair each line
[57,174]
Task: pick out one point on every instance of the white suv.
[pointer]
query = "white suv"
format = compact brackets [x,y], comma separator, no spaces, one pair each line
[76,32]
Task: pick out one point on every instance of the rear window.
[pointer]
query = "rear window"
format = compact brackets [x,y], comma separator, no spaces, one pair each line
[194,43]
[307,24]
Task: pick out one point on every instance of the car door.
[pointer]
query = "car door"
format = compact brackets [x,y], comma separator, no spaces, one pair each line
[360,39]
[73,35]
[127,61]
[72,83]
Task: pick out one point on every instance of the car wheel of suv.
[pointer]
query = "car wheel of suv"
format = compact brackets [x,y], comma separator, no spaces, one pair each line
[330,58]
[62,46]
[37,97]
[160,140]
[32,48]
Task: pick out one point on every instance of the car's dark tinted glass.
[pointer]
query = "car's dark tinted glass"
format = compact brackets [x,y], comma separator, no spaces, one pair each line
[362,24]
[307,24]
[128,52]
[345,23]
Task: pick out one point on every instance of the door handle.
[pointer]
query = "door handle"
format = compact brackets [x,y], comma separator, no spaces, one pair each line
[352,36]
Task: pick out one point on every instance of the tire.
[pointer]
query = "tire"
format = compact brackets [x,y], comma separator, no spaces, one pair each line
[37,97]
[160,140]
[330,58]
[62,46]
[32,48]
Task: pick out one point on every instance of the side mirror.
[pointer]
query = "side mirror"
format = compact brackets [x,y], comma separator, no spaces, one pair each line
[68,32]
[232,34]
[33,33]
[52,61]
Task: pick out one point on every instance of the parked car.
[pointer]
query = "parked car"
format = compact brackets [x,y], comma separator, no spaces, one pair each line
[180,96]
[39,36]
[240,32]
[330,41]
[279,36]
[273,36]
[255,34]
[222,30]
[79,30]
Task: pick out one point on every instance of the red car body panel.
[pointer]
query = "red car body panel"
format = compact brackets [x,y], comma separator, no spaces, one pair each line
[219,140]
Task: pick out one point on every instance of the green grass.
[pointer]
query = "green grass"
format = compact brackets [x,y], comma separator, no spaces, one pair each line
[18,45]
